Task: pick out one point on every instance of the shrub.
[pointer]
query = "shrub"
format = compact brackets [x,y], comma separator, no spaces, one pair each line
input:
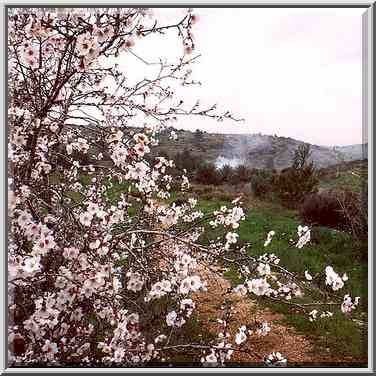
[226,173]
[208,174]
[355,211]
[336,209]
[262,182]
[201,189]
[300,179]
[242,174]
[322,209]
[163,153]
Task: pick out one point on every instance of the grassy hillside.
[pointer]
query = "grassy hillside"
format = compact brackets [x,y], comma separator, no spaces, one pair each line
[351,176]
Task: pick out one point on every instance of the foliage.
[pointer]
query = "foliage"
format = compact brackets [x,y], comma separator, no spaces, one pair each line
[208,174]
[337,209]
[298,180]
[226,174]
[323,209]
[241,174]
[103,269]
[262,182]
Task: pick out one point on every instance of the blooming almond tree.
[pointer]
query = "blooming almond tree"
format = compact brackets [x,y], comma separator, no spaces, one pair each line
[99,276]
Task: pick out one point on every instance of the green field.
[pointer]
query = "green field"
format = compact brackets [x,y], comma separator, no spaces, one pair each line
[342,336]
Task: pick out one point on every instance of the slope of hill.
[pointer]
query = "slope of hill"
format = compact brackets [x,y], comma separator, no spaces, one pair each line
[256,150]
[351,176]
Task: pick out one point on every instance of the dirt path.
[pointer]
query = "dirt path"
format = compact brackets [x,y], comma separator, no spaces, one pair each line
[297,348]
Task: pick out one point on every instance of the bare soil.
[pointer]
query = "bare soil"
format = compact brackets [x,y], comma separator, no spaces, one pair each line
[299,349]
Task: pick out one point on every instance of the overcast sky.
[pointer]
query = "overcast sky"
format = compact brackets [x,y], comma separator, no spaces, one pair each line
[291,72]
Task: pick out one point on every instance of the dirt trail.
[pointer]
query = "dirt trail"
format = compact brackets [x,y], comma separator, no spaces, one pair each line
[297,348]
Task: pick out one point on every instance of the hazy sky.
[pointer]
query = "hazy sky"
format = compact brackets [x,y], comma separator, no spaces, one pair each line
[291,72]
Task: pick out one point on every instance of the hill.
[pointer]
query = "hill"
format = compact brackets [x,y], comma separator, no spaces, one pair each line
[351,176]
[256,150]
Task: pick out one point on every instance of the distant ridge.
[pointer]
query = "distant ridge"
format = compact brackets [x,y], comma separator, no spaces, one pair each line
[256,150]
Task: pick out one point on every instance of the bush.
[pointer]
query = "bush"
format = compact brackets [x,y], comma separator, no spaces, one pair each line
[208,174]
[293,185]
[226,173]
[355,210]
[323,209]
[295,182]
[336,209]
[241,174]
[262,182]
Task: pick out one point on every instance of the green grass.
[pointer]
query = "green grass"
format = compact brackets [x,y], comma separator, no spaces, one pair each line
[353,179]
[328,247]
[340,335]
